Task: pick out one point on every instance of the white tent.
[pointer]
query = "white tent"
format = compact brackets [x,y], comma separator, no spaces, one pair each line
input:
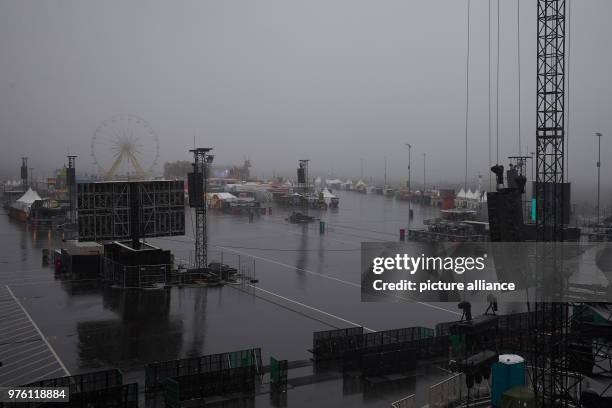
[327,194]
[223,196]
[334,183]
[29,197]
[471,195]
[25,201]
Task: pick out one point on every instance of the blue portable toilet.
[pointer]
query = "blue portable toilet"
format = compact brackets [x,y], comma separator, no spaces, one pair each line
[507,373]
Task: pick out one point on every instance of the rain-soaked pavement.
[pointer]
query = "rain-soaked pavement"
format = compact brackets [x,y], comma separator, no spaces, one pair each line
[307,282]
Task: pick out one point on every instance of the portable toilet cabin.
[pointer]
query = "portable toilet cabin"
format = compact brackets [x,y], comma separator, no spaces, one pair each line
[507,373]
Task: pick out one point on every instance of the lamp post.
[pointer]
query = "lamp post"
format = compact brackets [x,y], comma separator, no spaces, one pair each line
[409,191]
[598,134]
[424,172]
[409,148]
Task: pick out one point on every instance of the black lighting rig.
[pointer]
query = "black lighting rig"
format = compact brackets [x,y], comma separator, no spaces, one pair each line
[198,189]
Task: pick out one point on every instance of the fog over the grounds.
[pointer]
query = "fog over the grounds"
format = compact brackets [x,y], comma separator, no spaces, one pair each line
[333,81]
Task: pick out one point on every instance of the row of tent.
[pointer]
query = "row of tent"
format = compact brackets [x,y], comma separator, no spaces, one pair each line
[476,196]
[337,183]
[13,183]
[462,195]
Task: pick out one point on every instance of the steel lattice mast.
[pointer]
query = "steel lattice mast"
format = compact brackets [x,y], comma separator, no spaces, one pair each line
[551,320]
[550,134]
[199,187]
[71,185]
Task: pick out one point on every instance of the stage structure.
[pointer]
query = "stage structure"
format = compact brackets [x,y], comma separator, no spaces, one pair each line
[303,185]
[198,185]
[551,326]
[122,210]
[24,173]
[71,184]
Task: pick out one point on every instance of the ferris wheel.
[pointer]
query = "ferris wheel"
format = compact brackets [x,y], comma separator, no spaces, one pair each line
[126,146]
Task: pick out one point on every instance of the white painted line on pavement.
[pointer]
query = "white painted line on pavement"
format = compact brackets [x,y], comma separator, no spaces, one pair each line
[39,332]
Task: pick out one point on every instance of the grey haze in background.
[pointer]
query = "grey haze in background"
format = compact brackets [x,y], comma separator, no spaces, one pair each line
[329,80]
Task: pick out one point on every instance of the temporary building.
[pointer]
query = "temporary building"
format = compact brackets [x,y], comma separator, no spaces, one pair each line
[29,197]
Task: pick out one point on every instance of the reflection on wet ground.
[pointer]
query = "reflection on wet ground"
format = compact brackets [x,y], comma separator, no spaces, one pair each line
[142,331]
[311,282]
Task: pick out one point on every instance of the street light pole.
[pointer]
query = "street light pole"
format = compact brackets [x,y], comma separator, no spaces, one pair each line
[598,134]
[409,192]
[409,148]
[424,172]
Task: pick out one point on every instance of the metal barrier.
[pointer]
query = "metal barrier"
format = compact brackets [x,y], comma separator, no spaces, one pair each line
[137,276]
[454,391]
[121,396]
[407,402]
[326,344]
[156,373]
[118,396]
[333,344]
[278,374]
[208,384]
[97,380]
[352,360]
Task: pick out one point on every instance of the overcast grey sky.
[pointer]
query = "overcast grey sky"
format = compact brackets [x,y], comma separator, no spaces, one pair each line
[278,80]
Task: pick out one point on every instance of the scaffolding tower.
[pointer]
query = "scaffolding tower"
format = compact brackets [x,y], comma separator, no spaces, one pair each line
[198,186]
[24,173]
[303,180]
[551,322]
[71,184]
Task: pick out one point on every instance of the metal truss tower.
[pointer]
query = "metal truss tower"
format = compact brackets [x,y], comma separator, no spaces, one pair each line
[304,183]
[24,173]
[551,321]
[198,188]
[71,184]
[550,128]
[303,177]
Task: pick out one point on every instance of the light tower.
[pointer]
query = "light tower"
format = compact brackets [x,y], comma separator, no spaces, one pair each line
[198,186]
[598,134]
[550,324]
[550,127]
[71,184]
[424,172]
[24,173]
[409,191]
[303,178]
